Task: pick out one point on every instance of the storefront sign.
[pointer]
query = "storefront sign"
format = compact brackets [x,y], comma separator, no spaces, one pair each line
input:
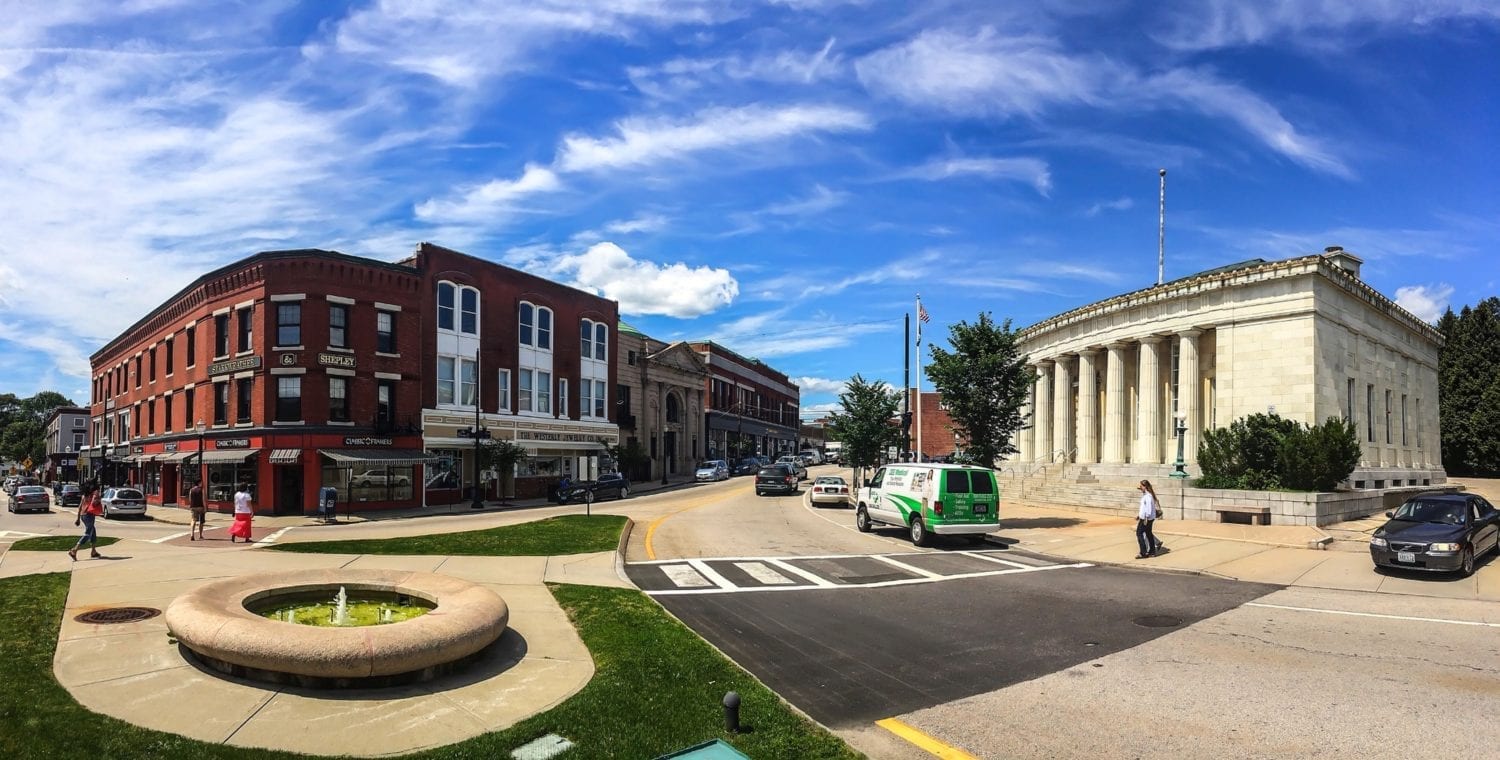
[368,441]
[139,449]
[234,365]
[232,443]
[169,447]
[345,361]
[288,360]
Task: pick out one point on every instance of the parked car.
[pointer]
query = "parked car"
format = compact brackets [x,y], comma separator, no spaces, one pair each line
[713,469]
[1441,532]
[746,467]
[609,484]
[11,484]
[68,495]
[794,463]
[123,501]
[778,478]
[830,489]
[30,499]
[379,478]
[811,457]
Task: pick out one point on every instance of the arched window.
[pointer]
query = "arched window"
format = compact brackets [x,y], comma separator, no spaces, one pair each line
[468,318]
[528,323]
[445,306]
[544,328]
[601,341]
[673,413]
[586,339]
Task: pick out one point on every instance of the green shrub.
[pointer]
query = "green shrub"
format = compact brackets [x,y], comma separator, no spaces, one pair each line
[1263,452]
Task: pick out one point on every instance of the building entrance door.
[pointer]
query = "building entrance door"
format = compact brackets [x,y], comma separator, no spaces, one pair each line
[288,490]
[669,440]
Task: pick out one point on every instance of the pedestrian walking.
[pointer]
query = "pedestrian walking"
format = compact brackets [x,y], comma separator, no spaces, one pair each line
[89,509]
[198,510]
[1149,512]
[243,514]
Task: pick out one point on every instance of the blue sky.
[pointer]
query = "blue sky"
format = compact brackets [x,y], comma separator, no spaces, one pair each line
[780,176]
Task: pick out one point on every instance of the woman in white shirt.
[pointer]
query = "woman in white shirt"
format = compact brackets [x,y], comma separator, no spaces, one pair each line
[1150,510]
[243,514]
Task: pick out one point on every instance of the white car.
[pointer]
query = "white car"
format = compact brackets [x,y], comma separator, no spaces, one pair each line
[123,501]
[830,489]
[379,478]
[713,469]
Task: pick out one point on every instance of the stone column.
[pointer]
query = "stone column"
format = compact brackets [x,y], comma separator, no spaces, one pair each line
[1114,404]
[1187,392]
[1062,407]
[1149,417]
[1088,407]
[1024,435]
[1042,423]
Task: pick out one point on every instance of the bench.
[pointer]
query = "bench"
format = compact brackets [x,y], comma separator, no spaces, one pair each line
[1244,515]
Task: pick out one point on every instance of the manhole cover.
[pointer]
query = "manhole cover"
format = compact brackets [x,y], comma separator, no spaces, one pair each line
[1158,621]
[114,615]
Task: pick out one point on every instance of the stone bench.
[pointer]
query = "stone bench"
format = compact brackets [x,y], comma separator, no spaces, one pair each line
[1245,515]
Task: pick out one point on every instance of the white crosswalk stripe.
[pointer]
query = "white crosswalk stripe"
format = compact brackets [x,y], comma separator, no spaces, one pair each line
[759,571]
[703,576]
[685,576]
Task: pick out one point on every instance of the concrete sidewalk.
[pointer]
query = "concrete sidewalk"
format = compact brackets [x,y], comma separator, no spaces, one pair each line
[1276,554]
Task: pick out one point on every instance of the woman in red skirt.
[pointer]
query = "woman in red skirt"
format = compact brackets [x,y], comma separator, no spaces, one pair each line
[243,514]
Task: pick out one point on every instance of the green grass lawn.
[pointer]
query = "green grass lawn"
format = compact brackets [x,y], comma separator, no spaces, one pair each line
[55,543]
[569,534]
[657,688]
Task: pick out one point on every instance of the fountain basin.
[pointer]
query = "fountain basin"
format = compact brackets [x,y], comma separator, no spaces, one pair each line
[214,623]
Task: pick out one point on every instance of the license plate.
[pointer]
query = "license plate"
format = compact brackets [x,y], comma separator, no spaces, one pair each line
[1406,557]
[980,509]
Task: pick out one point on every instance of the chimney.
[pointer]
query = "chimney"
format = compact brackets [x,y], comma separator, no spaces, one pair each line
[1343,259]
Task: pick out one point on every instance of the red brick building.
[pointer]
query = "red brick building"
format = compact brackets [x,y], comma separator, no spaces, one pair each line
[938,438]
[751,408]
[286,371]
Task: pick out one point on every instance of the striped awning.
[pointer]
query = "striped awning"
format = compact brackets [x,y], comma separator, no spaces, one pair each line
[286,456]
[378,457]
[225,457]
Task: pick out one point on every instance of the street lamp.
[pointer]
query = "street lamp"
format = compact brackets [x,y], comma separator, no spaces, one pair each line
[202,466]
[1179,471]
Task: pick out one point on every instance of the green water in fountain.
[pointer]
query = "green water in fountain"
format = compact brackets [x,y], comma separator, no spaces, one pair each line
[359,613]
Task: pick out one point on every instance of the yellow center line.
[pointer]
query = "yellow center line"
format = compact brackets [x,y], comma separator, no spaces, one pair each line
[923,740]
[651,529]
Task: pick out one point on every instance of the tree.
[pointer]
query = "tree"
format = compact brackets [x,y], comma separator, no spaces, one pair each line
[984,381]
[23,429]
[864,423]
[630,459]
[502,456]
[1469,388]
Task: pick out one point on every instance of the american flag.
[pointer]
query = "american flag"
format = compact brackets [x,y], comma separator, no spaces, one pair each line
[922,313]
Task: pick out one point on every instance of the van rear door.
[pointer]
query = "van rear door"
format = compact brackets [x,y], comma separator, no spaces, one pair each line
[968,496]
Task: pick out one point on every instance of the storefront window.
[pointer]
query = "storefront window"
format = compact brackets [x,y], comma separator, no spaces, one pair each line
[224,479]
[443,473]
[373,482]
[152,480]
[540,466]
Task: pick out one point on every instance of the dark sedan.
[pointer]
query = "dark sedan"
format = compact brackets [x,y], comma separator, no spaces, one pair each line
[745,467]
[1441,532]
[68,495]
[778,478]
[609,484]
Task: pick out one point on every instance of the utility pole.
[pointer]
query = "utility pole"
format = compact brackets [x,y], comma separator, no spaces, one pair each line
[906,389]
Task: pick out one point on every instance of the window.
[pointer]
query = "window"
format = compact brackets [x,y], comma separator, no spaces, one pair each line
[956,481]
[586,339]
[338,399]
[385,404]
[385,332]
[166,422]
[190,357]
[242,318]
[1419,424]
[289,324]
[150,417]
[601,341]
[1403,420]
[544,392]
[523,400]
[630,358]
[544,328]
[244,388]
[468,318]
[221,335]
[445,379]
[1349,402]
[221,403]
[288,399]
[466,381]
[445,306]
[138,371]
[189,408]
[1388,431]
[135,414]
[1370,413]
[586,397]
[562,396]
[674,414]
[528,323]
[503,388]
[338,326]
[599,404]
[153,364]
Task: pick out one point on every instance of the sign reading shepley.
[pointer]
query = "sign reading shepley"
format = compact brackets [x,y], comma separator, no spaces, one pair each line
[345,361]
[234,365]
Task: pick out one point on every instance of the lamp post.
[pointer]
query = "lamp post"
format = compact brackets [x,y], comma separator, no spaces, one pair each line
[661,427]
[202,441]
[1179,471]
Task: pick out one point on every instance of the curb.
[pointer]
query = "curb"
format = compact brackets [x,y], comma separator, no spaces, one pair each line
[620,552]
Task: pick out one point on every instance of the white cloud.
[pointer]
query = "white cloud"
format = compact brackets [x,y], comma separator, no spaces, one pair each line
[1428,302]
[1033,171]
[1118,204]
[644,287]
[820,200]
[642,223]
[492,200]
[820,385]
[775,333]
[685,77]
[1208,24]
[639,141]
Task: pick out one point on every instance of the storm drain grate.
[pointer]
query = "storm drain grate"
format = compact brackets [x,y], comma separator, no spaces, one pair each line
[116,615]
[1158,621]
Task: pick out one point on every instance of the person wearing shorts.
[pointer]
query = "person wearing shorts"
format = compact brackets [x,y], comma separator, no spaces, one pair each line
[198,510]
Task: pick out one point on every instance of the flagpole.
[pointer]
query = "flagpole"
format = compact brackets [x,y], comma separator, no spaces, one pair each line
[917,453]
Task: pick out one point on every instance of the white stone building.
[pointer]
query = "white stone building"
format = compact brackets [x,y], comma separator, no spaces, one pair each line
[1305,338]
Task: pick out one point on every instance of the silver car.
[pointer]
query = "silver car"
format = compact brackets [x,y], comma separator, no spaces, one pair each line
[123,501]
[30,499]
[713,469]
[794,463]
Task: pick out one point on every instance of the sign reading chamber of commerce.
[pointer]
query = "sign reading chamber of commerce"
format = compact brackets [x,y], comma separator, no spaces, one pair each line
[346,361]
[368,441]
[234,365]
[231,443]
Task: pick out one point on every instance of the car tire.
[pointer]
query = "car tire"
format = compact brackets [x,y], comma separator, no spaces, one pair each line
[363,484]
[623,492]
[919,535]
[1466,563]
[862,519]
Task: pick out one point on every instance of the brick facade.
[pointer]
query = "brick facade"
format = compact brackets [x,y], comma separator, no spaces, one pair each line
[937,436]
[751,408]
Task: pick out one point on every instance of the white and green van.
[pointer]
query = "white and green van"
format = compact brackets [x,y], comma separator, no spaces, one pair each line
[947,499]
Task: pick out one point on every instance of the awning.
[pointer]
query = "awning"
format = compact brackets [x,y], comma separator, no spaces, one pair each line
[378,457]
[568,445]
[286,456]
[224,457]
[180,456]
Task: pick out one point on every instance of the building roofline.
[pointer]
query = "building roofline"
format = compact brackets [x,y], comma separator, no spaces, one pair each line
[426,244]
[737,355]
[61,410]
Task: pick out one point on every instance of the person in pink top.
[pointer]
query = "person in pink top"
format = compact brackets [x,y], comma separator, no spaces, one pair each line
[89,509]
[243,514]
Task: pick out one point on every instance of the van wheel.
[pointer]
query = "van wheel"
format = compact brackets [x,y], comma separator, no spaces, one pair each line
[862,519]
[918,532]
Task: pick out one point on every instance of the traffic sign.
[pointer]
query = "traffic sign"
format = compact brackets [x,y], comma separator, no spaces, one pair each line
[27,463]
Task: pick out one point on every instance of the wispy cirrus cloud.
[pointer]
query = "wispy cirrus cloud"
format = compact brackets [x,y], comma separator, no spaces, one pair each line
[1031,170]
[681,78]
[1210,24]
[768,334]
[1118,204]
[493,200]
